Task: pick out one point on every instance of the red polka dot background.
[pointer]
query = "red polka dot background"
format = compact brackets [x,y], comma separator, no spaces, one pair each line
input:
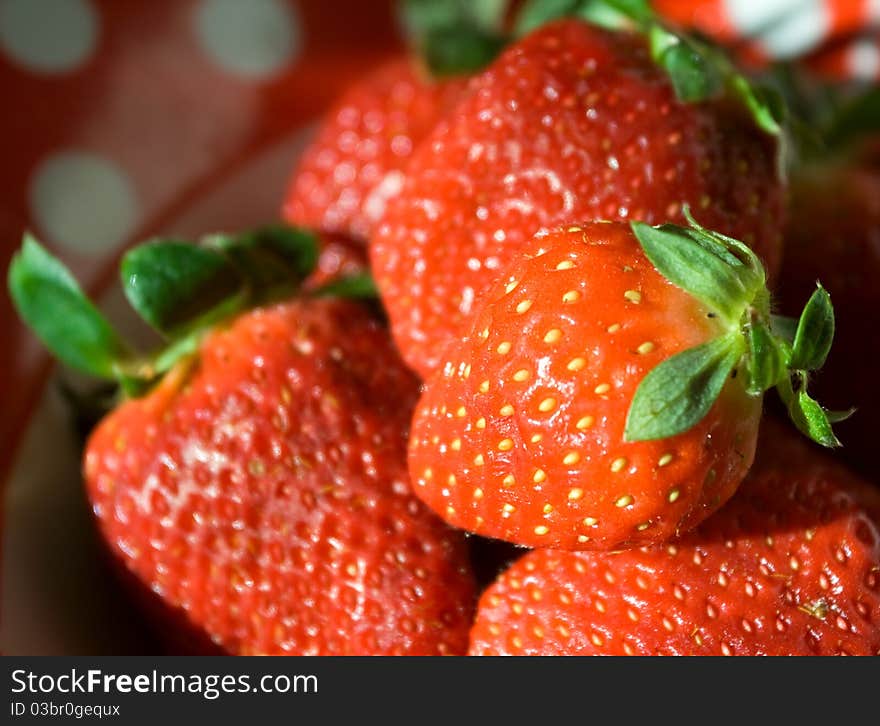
[116,114]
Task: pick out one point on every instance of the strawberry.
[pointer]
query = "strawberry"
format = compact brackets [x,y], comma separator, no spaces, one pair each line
[791,566]
[355,162]
[570,123]
[834,231]
[258,488]
[607,392]
[338,257]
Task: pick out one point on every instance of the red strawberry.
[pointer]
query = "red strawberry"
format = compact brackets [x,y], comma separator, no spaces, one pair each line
[354,165]
[260,489]
[791,566]
[544,426]
[338,257]
[834,231]
[571,123]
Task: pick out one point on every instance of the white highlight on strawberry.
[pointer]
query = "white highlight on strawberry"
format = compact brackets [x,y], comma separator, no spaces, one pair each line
[389,187]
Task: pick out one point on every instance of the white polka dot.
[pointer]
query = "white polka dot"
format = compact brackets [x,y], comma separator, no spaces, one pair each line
[863,59]
[785,28]
[256,38]
[83,202]
[751,18]
[805,30]
[48,36]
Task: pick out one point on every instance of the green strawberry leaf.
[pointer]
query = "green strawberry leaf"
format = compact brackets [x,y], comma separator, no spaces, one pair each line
[180,348]
[535,13]
[694,76]
[706,270]
[678,393]
[815,331]
[183,290]
[766,104]
[811,418]
[777,352]
[423,16]
[487,14]
[51,302]
[604,15]
[767,358]
[806,343]
[738,253]
[837,416]
[784,327]
[271,258]
[459,49]
[351,287]
[169,283]
[455,37]
[769,110]
[638,10]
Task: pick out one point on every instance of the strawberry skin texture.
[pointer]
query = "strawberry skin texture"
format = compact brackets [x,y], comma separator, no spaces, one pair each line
[264,494]
[791,566]
[833,234]
[520,435]
[354,164]
[571,123]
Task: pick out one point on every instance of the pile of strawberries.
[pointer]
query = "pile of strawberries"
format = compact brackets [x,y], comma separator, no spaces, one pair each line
[555,441]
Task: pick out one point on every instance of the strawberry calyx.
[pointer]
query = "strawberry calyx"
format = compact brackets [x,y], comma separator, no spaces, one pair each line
[455,37]
[769,351]
[180,289]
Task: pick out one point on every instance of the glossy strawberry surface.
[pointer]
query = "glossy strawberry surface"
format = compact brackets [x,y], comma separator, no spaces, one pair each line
[262,492]
[520,435]
[346,175]
[571,123]
[790,566]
